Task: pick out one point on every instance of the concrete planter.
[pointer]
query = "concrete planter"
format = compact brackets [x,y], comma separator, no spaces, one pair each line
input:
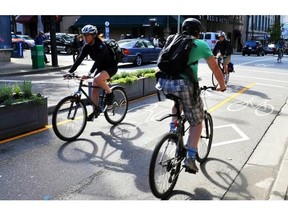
[139,88]
[22,117]
[134,90]
[149,86]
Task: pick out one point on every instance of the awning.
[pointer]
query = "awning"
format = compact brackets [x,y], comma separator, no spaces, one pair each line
[26,19]
[126,21]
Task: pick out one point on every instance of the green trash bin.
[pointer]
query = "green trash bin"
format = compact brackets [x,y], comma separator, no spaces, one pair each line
[37,55]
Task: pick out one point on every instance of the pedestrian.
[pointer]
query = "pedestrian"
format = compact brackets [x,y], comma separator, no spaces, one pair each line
[75,47]
[185,85]
[39,40]
[104,67]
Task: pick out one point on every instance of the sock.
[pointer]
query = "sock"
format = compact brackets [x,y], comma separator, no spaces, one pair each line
[191,153]
[172,126]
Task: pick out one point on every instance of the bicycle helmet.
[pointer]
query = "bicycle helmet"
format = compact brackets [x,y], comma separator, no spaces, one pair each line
[89,29]
[222,34]
[192,26]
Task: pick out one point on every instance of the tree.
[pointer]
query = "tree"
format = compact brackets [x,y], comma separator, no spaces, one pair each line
[275,31]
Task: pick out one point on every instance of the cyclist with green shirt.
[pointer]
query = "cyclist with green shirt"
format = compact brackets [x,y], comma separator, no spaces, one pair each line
[186,87]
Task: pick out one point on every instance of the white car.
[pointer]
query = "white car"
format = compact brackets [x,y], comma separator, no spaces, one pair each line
[28,41]
[211,38]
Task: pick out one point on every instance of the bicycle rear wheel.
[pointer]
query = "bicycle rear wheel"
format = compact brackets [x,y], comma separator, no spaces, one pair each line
[69,118]
[117,112]
[205,142]
[164,166]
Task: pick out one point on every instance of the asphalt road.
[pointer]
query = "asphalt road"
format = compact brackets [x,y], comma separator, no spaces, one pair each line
[111,163]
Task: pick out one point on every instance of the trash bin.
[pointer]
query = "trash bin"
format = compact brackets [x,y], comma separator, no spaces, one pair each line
[37,55]
[17,51]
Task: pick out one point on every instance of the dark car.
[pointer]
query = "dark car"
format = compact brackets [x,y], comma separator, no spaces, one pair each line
[64,43]
[138,51]
[253,47]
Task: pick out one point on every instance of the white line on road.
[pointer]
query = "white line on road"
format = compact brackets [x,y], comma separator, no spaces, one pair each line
[243,137]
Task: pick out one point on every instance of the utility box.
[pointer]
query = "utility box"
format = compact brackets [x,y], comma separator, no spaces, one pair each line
[37,55]
[17,51]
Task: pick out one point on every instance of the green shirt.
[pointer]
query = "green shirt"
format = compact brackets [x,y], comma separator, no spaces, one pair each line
[201,50]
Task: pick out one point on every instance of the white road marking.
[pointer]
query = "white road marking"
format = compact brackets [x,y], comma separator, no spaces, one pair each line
[243,137]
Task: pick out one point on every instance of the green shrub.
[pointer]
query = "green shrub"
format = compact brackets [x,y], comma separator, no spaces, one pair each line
[18,92]
[130,77]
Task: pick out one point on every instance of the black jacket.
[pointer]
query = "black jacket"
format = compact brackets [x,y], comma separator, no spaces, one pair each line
[97,52]
[224,47]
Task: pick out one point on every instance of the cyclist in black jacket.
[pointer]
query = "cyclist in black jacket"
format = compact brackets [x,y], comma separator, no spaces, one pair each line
[105,64]
[223,49]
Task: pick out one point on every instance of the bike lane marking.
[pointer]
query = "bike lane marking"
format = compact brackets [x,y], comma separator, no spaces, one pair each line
[217,106]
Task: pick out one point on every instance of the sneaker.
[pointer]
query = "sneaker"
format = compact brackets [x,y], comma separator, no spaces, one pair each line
[109,99]
[190,165]
[95,114]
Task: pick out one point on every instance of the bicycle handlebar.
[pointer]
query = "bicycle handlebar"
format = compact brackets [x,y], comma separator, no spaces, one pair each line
[208,87]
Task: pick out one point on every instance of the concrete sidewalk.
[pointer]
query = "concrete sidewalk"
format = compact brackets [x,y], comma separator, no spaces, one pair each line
[265,157]
[19,66]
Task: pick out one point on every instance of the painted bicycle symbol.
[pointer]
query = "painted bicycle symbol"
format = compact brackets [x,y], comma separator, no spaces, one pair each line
[261,108]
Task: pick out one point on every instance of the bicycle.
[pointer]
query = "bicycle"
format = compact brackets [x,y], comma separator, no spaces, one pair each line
[226,76]
[69,118]
[280,55]
[169,152]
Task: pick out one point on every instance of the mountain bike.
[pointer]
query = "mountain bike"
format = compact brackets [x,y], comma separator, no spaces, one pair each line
[169,152]
[69,118]
[226,76]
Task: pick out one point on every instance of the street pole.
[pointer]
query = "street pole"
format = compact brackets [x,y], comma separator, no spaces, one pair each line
[178,24]
[53,41]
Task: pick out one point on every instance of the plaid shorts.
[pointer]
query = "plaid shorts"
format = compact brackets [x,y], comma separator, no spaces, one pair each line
[190,98]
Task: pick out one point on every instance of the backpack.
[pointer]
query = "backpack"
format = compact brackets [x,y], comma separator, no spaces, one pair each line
[173,58]
[115,50]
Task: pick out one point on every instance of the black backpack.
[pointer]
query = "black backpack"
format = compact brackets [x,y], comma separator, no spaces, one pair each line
[173,57]
[114,49]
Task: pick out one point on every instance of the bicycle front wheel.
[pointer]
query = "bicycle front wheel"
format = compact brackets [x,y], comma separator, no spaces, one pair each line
[117,112]
[164,166]
[69,118]
[214,80]
[205,142]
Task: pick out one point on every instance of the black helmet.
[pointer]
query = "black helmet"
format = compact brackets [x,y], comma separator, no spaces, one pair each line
[192,26]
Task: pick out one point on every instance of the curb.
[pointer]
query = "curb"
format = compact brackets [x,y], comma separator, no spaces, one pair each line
[280,187]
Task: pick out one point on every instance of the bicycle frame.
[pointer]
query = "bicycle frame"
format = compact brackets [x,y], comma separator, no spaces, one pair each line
[80,90]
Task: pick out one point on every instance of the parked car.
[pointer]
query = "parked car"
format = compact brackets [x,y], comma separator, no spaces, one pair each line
[270,49]
[28,41]
[210,37]
[64,43]
[138,51]
[253,47]
[16,39]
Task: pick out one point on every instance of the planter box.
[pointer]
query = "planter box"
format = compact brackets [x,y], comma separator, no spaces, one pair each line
[23,117]
[149,86]
[134,90]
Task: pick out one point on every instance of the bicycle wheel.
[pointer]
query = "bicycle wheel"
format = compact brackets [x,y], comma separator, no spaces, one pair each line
[69,118]
[117,112]
[214,80]
[205,142]
[164,166]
